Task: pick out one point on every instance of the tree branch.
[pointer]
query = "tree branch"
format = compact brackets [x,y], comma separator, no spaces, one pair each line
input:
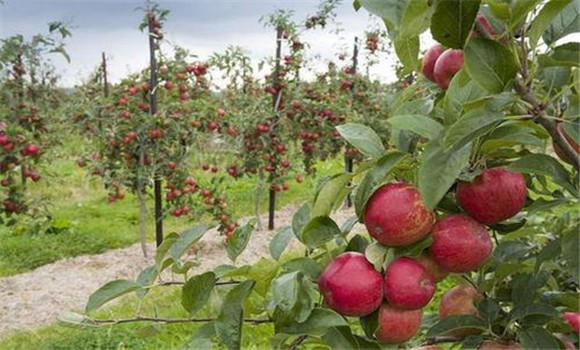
[169,320]
[542,118]
[297,342]
[443,339]
[180,283]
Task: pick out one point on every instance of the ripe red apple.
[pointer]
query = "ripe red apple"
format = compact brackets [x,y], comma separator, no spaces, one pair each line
[351,286]
[4,140]
[428,63]
[573,319]
[221,112]
[155,134]
[436,272]
[447,65]
[407,286]
[495,345]
[397,326]
[30,150]
[459,300]
[558,149]
[395,215]
[460,244]
[496,195]
[212,126]
[485,25]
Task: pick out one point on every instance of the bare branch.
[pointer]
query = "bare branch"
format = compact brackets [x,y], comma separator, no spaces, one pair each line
[168,320]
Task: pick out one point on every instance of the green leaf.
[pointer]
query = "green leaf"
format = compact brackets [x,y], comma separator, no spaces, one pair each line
[164,248]
[419,124]
[195,292]
[310,267]
[520,9]
[202,339]
[280,242]
[537,338]
[362,138]
[391,11]
[110,291]
[347,225]
[186,240]
[564,55]
[522,311]
[146,277]
[490,64]
[357,243]
[318,323]
[374,178]
[416,19]
[550,251]
[569,300]
[370,324]
[239,240]
[454,323]
[542,164]
[407,49]
[544,18]
[294,295]
[469,127]
[555,77]
[300,219]
[356,5]
[329,194]
[319,230]
[452,21]
[416,248]
[570,244]
[461,91]
[228,324]
[340,338]
[566,22]
[438,171]
[378,255]
[263,272]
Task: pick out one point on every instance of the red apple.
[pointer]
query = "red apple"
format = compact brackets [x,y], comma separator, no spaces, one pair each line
[30,150]
[460,244]
[459,300]
[428,63]
[407,286]
[496,195]
[395,215]
[155,134]
[558,149]
[351,286]
[449,63]
[485,25]
[397,326]
[573,319]
[436,272]
[4,140]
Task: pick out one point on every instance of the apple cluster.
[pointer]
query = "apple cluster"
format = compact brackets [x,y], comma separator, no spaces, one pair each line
[395,216]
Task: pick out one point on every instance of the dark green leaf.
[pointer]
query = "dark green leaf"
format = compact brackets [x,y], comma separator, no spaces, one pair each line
[228,324]
[569,300]
[329,194]
[370,323]
[196,291]
[542,164]
[456,322]
[461,91]
[416,248]
[566,22]
[318,323]
[470,126]
[186,240]
[438,171]
[570,244]
[537,338]
[489,310]
[452,21]
[110,291]
[357,243]
[300,219]
[280,242]
[490,64]
[294,295]
[319,231]
[544,18]
[310,267]
[340,338]
[363,138]
[522,311]
[419,124]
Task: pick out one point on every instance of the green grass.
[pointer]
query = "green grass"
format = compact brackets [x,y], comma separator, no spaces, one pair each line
[90,225]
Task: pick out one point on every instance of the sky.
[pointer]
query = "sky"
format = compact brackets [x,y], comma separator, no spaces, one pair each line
[201,26]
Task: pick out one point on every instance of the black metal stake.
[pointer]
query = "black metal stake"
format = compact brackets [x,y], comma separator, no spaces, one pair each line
[275,102]
[105,78]
[349,162]
[153,111]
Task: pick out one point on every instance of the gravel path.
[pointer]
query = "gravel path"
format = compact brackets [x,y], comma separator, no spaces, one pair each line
[38,297]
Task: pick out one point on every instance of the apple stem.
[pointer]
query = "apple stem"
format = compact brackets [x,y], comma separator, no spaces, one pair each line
[297,342]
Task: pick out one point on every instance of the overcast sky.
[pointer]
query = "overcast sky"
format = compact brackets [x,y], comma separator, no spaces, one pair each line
[203,27]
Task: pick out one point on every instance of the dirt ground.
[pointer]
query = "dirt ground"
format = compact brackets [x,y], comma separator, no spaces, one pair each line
[38,297]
